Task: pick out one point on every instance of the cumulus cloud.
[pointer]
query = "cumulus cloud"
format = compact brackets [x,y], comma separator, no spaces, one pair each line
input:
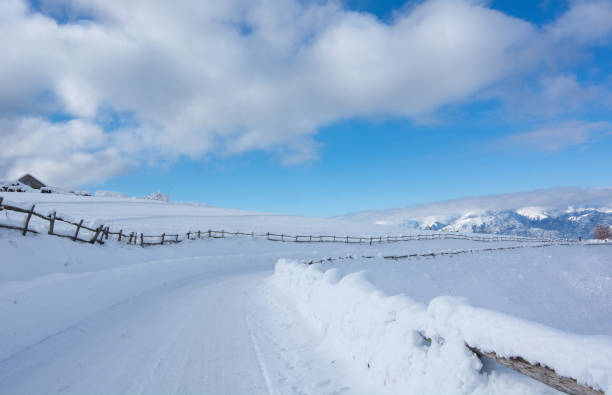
[237,75]
[586,21]
[557,137]
[70,153]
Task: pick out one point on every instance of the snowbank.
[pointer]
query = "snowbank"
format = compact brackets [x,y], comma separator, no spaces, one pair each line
[162,197]
[15,186]
[383,335]
[110,194]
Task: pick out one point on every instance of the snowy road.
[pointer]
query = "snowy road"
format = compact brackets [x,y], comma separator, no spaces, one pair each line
[210,333]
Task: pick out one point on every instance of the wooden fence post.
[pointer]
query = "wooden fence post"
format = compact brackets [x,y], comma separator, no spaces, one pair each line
[209,233]
[222,234]
[77,230]
[141,240]
[370,241]
[268,236]
[163,237]
[346,239]
[51,222]
[106,232]
[282,237]
[188,233]
[25,229]
[198,234]
[120,231]
[98,230]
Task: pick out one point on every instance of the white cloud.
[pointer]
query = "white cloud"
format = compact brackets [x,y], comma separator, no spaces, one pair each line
[557,137]
[69,153]
[238,75]
[586,21]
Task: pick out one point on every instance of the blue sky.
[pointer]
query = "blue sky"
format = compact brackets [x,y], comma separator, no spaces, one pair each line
[278,134]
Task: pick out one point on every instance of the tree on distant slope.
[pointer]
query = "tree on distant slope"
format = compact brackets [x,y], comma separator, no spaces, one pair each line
[602,232]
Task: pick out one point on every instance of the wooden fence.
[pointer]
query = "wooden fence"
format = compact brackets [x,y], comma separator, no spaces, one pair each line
[52,219]
[101,233]
[440,253]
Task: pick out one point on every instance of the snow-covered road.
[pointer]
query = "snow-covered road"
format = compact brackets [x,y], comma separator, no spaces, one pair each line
[217,331]
[189,336]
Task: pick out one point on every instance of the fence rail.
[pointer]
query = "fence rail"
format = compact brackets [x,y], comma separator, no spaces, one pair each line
[439,253]
[102,233]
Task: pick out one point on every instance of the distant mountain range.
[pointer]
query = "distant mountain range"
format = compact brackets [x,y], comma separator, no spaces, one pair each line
[559,212]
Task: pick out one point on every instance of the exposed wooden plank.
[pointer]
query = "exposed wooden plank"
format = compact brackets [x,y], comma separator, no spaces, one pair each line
[93,240]
[540,373]
[27,221]
[76,234]
[51,222]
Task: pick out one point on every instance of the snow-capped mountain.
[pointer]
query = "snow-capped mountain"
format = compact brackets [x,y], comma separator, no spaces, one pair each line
[559,212]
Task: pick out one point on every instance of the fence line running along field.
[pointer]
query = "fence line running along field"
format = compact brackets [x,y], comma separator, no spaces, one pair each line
[101,233]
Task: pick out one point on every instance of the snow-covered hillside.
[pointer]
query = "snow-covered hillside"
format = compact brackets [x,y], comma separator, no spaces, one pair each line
[561,213]
[243,315]
[157,216]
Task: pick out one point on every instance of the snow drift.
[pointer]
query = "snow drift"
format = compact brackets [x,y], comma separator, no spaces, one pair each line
[384,335]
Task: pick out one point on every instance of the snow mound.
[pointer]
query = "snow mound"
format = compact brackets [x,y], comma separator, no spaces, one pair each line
[62,191]
[110,194]
[15,186]
[162,197]
[384,335]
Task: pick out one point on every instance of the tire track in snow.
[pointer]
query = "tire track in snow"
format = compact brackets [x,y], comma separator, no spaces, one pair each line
[258,355]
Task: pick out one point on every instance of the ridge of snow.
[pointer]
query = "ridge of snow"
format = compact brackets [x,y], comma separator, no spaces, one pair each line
[532,212]
[366,325]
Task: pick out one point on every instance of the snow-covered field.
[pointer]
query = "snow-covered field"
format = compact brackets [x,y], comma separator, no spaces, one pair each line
[238,315]
[155,217]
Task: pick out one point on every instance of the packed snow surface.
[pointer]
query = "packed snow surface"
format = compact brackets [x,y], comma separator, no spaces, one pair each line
[242,315]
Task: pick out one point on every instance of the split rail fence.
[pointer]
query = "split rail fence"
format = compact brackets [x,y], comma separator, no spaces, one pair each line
[101,233]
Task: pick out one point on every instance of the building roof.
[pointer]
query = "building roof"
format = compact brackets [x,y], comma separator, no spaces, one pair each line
[32,182]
